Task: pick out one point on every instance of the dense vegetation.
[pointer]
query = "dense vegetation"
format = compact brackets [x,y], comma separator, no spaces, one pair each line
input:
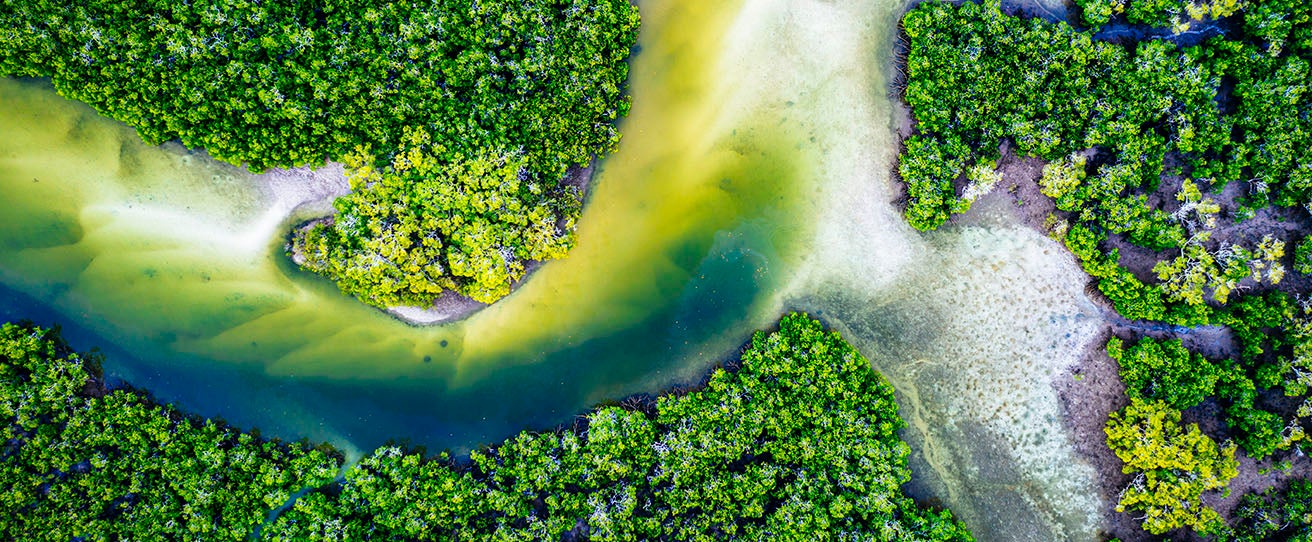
[292,83]
[1165,371]
[1275,514]
[420,227]
[535,83]
[797,441]
[1141,140]
[80,462]
[1174,14]
[1277,23]
[1173,466]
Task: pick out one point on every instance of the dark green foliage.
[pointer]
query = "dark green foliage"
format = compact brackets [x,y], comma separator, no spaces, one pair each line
[1131,297]
[928,166]
[1107,118]
[1303,256]
[1257,323]
[1275,514]
[1274,332]
[799,443]
[1272,147]
[1168,372]
[291,83]
[1176,14]
[1281,25]
[83,463]
[1258,431]
[1275,336]
[1277,25]
[1164,371]
[977,77]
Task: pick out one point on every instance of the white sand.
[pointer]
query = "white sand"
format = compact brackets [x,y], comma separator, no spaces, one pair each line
[304,188]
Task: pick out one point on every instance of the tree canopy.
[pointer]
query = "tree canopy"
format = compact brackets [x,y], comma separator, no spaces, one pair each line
[1173,466]
[292,83]
[1165,371]
[81,462]
[1278,513]
[418,227]
[798,442]
[1109,118]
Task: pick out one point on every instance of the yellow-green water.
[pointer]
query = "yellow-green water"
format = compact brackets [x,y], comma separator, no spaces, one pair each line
[752,178]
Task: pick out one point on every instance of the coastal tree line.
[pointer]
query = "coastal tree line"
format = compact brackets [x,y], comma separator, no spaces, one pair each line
[797,440]
[537,83]
[1141,140]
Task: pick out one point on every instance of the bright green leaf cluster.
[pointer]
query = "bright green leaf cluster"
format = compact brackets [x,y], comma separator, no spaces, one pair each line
[1173,466]
[419,227]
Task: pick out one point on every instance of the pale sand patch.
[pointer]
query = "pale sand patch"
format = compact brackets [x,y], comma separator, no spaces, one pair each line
[448,307]
[304,188]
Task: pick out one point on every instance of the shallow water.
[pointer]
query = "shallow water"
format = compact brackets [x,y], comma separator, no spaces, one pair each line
[751,179]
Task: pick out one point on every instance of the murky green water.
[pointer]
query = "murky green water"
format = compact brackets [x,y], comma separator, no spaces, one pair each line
[752,177]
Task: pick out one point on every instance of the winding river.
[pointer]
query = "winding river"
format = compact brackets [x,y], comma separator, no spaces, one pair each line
[752,179]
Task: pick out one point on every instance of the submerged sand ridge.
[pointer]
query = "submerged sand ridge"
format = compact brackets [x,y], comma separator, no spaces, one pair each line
[752,177]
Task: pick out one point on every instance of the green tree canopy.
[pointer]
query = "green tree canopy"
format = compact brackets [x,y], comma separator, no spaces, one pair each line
[505,96]
[799,442]
[1164,371]
[1173,466]
[84,463]
[418,227]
